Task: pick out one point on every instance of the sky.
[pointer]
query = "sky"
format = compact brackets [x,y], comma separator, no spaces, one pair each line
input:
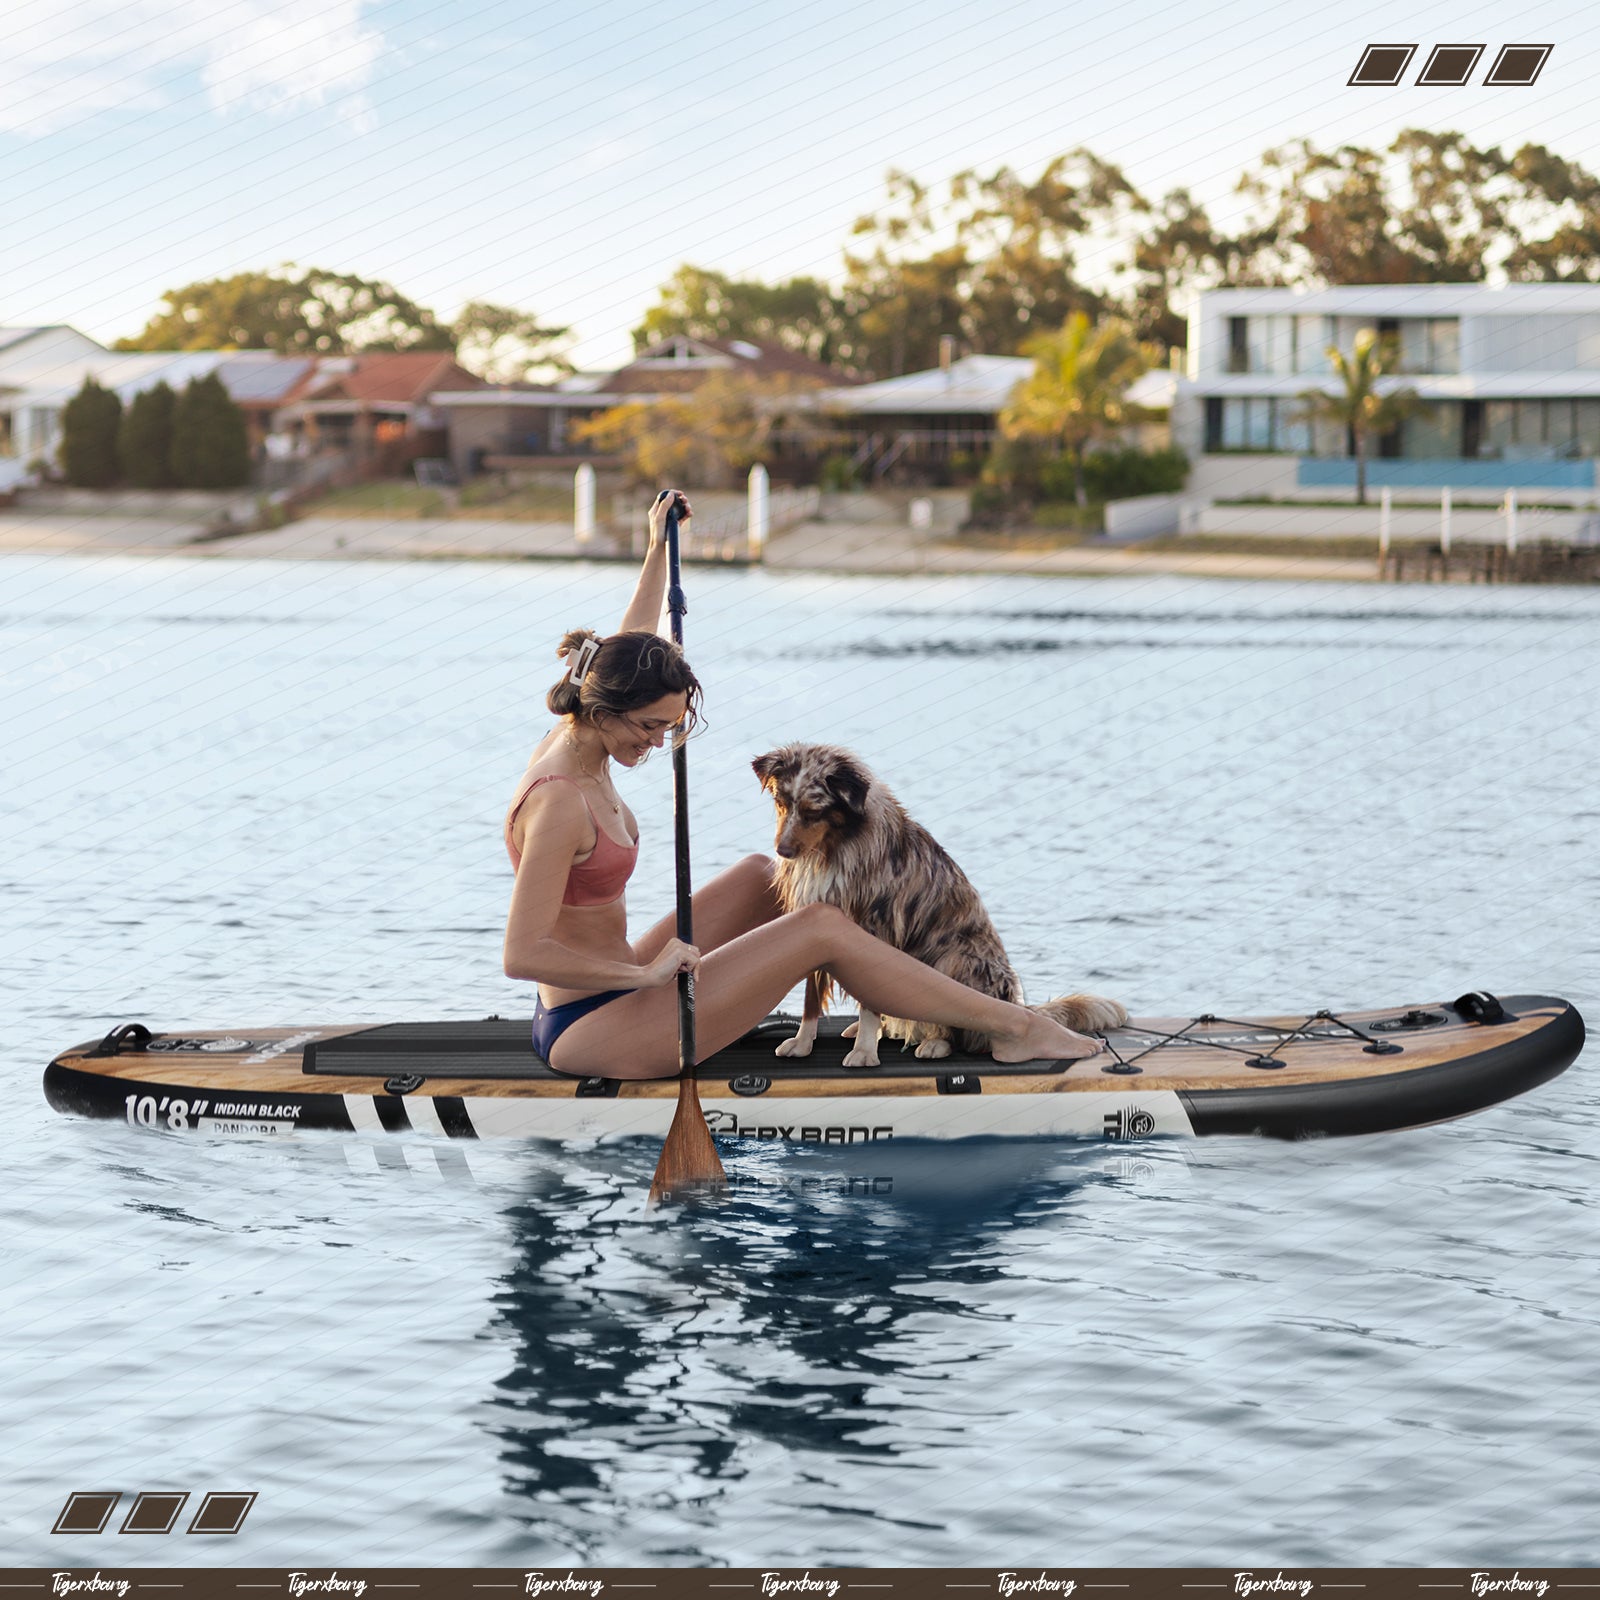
[567,158]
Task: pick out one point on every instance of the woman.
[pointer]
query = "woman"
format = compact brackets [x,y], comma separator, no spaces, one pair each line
[609,1007]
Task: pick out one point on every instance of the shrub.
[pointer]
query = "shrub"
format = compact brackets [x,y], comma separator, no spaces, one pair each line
[837,475]
[89,423]
[1014,466]
[1117,474]
[144,441]
[210,445]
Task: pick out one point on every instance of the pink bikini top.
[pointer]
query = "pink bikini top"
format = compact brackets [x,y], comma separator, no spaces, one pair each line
[601,879]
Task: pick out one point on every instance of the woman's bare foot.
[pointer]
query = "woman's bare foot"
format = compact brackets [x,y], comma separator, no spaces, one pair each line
[1039,1039]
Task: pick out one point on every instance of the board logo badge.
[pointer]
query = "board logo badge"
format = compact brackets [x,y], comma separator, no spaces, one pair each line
[1128,1122]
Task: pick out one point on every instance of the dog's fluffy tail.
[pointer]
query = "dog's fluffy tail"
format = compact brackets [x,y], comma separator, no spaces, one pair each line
[1083,1013]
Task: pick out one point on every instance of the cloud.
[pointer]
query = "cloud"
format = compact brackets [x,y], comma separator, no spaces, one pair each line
[65,61]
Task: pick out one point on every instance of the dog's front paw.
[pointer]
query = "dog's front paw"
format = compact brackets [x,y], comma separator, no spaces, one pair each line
[861,1057]
[933,1049]
[800,1045]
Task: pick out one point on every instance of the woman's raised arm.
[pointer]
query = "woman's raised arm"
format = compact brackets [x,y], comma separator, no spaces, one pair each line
[649,594]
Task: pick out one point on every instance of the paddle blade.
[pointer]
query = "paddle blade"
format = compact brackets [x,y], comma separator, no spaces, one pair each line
[689,1162]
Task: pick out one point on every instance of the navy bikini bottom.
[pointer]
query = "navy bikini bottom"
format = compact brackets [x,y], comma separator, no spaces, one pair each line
[550,1023]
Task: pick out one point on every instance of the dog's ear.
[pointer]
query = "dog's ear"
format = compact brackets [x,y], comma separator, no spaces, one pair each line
[848,785]
[768,768]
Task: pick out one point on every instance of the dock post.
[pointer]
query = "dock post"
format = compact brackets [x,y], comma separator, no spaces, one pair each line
[760,511]
[583,503]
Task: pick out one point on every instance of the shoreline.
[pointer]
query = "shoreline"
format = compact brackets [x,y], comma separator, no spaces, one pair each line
[858,549]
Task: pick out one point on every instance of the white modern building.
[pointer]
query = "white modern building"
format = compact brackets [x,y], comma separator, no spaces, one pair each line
[1507,379]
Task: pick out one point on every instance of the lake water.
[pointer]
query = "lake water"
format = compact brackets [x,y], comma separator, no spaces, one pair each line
[263,793]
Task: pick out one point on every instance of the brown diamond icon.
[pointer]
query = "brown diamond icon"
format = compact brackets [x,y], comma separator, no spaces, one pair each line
[1518,65]
[1450,64]
[222,1513]
[86,1513]
[153,1512]
[1382,64]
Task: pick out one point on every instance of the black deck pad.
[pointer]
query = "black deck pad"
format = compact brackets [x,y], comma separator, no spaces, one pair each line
[500,1048]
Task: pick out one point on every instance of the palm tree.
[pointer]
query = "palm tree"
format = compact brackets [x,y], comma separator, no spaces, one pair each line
[1076,394]
[1359,406]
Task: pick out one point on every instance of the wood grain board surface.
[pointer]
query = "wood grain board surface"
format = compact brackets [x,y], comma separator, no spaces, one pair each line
[270,1060]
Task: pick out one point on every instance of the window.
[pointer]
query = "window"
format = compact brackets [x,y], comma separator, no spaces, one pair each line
[1560,427]
[1259,423]
[1238,344]
[1271,344]
[1432,432]
[1529,430]
[1444,344]
[1430,344]
[1499,428]
[1312,336]
[41,432]
[1586,426]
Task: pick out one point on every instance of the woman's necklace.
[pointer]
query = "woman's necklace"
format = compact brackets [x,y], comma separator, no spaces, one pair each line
[606,790]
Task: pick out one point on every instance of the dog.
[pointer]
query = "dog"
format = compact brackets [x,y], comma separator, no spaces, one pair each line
[845,840]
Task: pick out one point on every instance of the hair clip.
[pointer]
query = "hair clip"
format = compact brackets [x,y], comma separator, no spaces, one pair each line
[587,651]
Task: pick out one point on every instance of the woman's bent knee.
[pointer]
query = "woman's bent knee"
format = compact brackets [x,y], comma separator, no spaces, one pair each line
[822,924]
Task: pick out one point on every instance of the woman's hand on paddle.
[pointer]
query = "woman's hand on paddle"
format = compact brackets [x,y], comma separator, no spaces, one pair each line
[675,957]
[659,508]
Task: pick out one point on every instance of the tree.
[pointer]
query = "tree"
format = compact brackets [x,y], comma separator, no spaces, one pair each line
[802,314]
[89,423]
[293,312]
[1431,208]
[1359,405]
[992,262]
[709,435]
[1565,248]
[249,311]
[144,441]
[1178,251]
[505,345]
[210,443]
[899,309]
[1077,393]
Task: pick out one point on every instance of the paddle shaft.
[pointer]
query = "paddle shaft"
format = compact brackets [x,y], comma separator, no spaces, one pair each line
[676,606]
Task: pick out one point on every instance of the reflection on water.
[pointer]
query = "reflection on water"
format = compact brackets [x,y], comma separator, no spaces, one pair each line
[657,1360]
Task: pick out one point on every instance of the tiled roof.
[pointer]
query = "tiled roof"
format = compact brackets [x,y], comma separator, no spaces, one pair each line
[400,377]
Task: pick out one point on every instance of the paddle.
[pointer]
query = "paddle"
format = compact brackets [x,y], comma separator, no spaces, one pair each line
[689,1157]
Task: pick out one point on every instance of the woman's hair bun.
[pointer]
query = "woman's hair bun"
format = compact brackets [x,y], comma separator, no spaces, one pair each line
[627,671]
[575,639]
